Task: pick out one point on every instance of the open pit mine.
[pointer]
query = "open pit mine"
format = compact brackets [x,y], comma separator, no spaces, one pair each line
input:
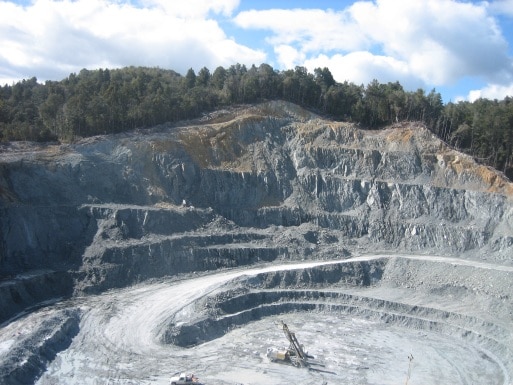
[185,248]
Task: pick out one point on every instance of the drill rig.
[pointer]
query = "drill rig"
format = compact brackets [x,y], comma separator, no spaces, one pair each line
[294,354]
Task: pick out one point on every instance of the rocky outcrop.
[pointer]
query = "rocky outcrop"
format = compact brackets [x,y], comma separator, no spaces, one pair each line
[32,351]
[254,184]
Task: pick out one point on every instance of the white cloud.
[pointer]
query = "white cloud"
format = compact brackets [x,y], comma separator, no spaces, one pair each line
[198,9]
[50,38]
[288,56]
[430,43]
[492,91]
[313,30]
[362,67]
[442,40]
[424,43]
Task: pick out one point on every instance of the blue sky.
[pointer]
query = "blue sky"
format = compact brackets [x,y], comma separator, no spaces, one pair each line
[463,49]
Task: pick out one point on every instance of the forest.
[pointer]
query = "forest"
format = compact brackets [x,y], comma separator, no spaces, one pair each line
[104,101]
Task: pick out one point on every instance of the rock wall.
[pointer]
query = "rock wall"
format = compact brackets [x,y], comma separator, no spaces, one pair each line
[271,181]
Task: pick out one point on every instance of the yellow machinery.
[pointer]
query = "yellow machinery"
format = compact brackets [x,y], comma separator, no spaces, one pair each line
[294,354]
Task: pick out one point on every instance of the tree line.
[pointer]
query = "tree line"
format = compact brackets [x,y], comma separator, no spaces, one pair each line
[106,101]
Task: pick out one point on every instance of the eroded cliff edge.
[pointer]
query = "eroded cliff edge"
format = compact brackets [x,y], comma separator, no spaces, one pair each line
[241,186]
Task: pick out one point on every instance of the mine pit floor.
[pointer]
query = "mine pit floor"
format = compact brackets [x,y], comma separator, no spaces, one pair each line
[118,341]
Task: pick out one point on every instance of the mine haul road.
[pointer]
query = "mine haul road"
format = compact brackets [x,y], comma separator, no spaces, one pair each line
[369,341]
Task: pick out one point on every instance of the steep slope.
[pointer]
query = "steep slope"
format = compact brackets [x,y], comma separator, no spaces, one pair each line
[246,185]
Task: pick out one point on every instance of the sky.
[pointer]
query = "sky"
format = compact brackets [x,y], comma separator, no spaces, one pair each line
[461,48]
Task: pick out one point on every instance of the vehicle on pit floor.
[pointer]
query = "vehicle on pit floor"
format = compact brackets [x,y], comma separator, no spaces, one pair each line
[182,378]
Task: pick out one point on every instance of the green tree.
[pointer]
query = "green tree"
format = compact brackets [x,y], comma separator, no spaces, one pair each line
[268,82]
[203,77]
[218,78]
[324,78]
[190,78]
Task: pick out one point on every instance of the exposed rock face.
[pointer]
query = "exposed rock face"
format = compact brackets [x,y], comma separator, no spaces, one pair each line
[253,184]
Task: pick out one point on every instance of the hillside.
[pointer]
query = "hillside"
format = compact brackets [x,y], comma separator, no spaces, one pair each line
[246,186]
[256,170]
[103,101]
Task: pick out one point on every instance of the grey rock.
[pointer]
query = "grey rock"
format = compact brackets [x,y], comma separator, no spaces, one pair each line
[273,182]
